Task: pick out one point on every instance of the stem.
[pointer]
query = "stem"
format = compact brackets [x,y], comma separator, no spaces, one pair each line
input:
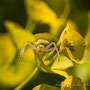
[27,80]
[30,26]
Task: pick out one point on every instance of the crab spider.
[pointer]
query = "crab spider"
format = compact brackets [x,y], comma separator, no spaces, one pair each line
[39,46]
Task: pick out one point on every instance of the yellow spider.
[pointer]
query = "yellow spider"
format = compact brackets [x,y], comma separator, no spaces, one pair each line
[39,46]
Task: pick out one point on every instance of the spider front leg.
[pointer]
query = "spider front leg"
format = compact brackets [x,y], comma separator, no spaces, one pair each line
[24,48]
[55,48]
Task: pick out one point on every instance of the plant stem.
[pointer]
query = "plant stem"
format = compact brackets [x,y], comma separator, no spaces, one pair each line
[30,26]
[27,80]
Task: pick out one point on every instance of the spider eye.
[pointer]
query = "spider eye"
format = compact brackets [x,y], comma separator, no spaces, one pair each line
[41,46]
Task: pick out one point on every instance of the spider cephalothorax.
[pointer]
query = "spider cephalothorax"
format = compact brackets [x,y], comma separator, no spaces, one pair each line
[41,46]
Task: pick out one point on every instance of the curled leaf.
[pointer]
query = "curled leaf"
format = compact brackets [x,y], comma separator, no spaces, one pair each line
[73,45]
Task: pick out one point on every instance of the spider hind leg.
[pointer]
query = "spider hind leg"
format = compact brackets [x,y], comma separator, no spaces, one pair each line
[55,48]
[24,48]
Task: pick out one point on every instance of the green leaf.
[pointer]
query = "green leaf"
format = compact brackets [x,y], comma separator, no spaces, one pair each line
[18,70]
[60,72]
[72,83]
[18,35]
[37,10]
[45,87]
[61,7]
[40,12]
[46,36]
[58,27]
[61,27]
[72,45]
[83,71]
[7,52]
[62,64]
[72,26]
[41,65]
[46,67]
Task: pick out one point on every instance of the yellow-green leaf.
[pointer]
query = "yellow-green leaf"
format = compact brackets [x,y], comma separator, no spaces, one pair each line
[46,68]
[60,72]
[45,36]
[40,12]
[20,70]
[72,25]
[18,35]
[7,52]
[62,64]
[83,71]
[72,83]
[73,45]
[57,27]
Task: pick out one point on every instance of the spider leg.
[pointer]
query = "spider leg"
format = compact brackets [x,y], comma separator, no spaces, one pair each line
[24,48]
[46,56]
[50,49]
[55,48]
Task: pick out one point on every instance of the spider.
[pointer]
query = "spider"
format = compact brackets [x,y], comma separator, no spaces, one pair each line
[39,46]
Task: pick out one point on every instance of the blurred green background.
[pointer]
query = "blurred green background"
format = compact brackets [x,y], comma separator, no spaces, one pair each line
[15,11]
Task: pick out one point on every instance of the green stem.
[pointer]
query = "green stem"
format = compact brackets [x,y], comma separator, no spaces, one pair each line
[27,80]
[30,26]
